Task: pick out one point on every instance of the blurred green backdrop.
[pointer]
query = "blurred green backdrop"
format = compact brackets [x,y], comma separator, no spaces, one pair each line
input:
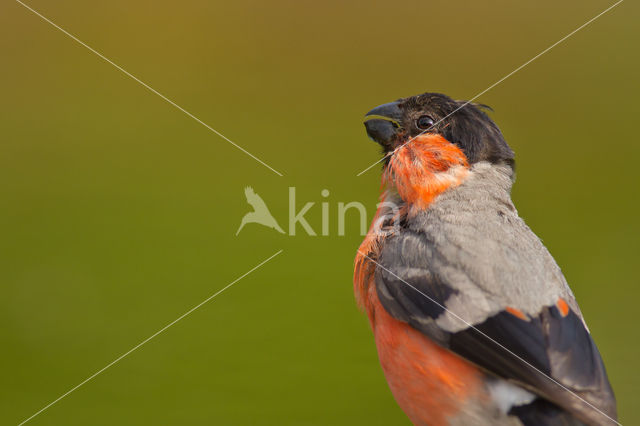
[118,212]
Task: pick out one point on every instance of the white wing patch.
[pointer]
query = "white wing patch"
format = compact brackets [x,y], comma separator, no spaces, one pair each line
[507,395]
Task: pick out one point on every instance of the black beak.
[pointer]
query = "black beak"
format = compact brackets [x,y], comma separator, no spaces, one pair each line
[382,123]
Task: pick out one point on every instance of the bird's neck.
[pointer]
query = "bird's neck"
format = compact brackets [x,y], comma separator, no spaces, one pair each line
[424,168]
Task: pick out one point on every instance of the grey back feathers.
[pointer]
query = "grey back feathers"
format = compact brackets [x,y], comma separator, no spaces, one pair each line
[472,238]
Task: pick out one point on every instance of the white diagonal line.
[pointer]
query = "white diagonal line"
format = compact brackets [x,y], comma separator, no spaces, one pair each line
[468,324]
[150,337]
[128,74]
[499,81]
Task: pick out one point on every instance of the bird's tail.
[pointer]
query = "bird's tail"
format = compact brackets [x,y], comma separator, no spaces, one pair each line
[244,222]
[277,227]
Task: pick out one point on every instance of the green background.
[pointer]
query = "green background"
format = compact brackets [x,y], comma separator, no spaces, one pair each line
[118,212]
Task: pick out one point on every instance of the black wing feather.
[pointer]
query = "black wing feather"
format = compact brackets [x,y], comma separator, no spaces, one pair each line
[541,412]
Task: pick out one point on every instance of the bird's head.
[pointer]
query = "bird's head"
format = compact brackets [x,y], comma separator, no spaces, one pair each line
[462,124]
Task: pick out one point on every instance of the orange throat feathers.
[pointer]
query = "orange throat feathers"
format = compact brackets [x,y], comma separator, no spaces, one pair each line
[424,168]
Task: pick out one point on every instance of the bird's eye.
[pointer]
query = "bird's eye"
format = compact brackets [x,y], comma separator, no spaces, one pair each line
[424,122]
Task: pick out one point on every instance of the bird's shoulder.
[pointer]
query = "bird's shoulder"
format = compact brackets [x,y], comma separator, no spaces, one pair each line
[472,241]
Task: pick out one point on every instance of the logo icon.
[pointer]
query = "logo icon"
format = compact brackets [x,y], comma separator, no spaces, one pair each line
[260,213]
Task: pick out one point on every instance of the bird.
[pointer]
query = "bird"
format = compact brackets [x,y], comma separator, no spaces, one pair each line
[260,213]
[473,320]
